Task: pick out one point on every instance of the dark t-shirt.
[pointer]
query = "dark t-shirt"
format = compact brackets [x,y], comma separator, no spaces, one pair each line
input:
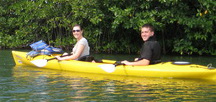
[151,51]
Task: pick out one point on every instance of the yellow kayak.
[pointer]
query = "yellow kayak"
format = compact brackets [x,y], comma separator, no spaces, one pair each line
[162,70]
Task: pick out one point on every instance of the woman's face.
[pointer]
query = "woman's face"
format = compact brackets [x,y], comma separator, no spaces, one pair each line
[77,32]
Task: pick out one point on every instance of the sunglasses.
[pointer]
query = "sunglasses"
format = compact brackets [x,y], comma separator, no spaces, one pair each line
[76,30]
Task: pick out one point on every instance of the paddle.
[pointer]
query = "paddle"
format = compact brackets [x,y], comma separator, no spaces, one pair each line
[43,62]
[110,67]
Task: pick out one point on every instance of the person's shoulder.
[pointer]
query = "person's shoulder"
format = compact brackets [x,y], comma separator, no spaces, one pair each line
[83,40]
[151,43]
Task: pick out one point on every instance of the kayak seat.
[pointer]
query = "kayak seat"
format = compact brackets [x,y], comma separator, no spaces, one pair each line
[89,58]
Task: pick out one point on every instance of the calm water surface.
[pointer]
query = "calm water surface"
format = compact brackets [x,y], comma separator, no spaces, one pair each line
[29,84]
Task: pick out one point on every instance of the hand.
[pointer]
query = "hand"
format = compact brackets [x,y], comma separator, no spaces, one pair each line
[136,59]
[64,54]
[58,57]
[126,62]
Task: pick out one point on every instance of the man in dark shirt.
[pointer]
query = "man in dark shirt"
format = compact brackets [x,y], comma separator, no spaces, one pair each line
[150,51]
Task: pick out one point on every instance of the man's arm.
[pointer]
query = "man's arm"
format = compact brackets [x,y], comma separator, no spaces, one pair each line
[142,62]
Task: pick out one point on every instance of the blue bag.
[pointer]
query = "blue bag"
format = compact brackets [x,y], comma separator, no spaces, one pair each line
[39,45]
[41,48]
[51,50]
[33,53]
[45,52]
[54,49]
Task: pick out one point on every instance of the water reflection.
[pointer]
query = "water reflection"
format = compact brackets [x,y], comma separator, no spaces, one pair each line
[50,85]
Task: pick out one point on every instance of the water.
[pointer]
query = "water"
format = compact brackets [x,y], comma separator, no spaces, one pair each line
[29,84]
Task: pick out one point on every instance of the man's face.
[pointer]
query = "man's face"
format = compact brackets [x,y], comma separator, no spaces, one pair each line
[146,33]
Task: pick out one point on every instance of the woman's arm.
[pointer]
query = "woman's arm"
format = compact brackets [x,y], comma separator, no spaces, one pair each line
[75,55]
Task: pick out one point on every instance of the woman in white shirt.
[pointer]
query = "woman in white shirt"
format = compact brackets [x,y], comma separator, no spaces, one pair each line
[81,47]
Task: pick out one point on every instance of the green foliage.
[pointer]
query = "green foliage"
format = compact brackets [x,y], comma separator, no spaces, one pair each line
[184,27]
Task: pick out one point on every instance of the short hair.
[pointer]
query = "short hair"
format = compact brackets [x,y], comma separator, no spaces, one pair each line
[77,25]
[148,26]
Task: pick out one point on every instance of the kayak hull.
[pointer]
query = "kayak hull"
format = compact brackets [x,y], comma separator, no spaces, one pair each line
[161,70]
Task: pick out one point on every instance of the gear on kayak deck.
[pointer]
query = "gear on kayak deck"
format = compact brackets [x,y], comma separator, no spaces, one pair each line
[181,62]
[210,66]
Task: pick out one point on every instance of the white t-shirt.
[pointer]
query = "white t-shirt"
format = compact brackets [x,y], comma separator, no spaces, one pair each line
[86,50]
